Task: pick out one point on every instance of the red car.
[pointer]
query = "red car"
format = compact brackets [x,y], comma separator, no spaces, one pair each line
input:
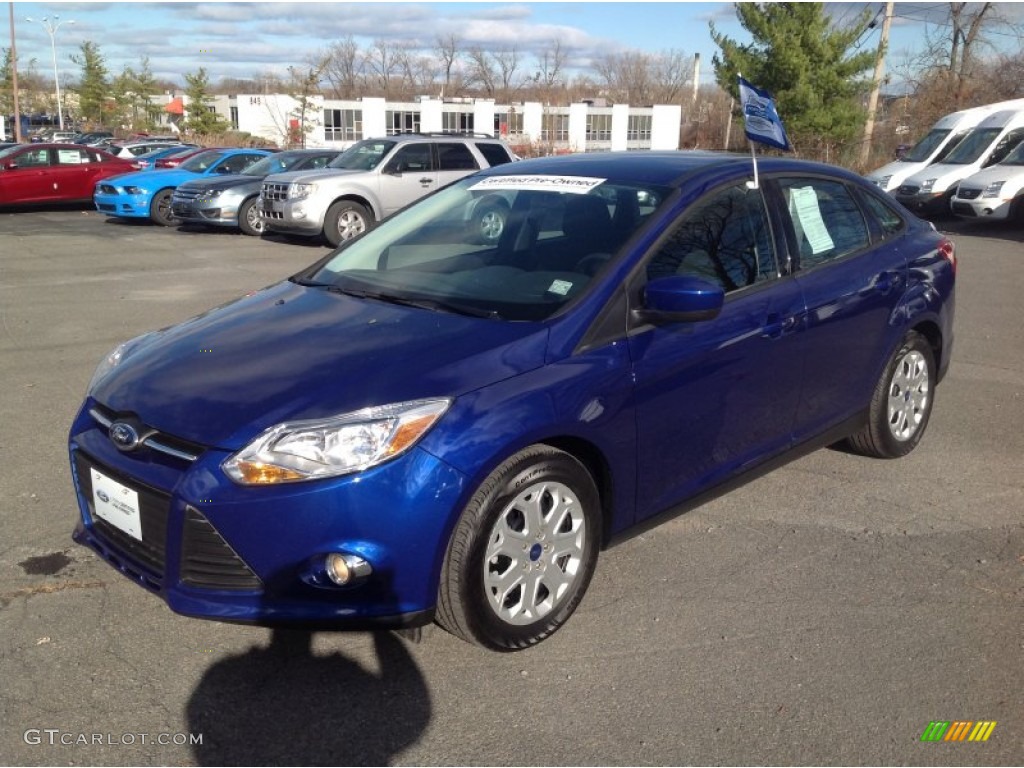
[52,173]
[173,161]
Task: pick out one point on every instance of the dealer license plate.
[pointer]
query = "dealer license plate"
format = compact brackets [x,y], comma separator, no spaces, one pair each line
[116,503]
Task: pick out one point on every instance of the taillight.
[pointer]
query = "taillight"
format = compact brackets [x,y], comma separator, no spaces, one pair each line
[947,250]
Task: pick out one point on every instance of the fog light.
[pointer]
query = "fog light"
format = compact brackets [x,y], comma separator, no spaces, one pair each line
[345,569]
[298,213]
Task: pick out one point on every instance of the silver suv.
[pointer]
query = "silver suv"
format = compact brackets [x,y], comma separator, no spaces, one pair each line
[375,178]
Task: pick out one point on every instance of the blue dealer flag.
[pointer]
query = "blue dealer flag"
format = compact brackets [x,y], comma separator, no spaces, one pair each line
[761,122]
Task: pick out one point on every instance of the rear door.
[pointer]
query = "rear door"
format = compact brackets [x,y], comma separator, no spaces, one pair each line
[72,173]
[454,160]
[852,287]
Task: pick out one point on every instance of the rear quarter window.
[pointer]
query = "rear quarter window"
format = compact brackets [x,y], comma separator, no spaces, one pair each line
[494,154]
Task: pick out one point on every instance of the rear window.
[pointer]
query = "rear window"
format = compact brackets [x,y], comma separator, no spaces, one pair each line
[494,153]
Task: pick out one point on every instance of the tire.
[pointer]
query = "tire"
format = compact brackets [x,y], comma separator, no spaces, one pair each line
[346,220]
[249,219]
[522,553]
[901,404]
[160,208]
[489,222]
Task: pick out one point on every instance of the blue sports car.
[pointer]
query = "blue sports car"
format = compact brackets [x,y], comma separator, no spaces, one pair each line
[424,426]
[147,194]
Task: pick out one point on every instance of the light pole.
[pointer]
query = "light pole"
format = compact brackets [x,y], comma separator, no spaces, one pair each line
[51,26]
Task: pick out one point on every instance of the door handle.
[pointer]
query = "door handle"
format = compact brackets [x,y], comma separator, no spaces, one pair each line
[426,180]
[777,325]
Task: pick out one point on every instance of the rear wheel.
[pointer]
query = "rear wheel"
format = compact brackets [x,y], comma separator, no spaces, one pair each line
[249,219]
[522,553]
[160,208]
[902,402]
[346,219]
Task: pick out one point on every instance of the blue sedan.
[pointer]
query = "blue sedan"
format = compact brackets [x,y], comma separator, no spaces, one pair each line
[423,426]
[147,194]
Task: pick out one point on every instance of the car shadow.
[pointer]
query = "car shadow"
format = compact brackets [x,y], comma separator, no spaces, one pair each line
[1012,231]
[283,705]
[309,242]
[85,206]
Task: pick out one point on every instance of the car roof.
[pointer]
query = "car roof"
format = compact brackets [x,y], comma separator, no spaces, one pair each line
[667,168]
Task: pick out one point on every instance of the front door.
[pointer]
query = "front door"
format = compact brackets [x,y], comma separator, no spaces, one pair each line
[409,175]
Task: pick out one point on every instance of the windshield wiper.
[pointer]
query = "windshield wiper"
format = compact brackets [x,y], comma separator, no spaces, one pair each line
[420,303]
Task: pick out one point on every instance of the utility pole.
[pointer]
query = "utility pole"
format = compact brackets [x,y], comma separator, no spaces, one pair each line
[869,125]
[14,78]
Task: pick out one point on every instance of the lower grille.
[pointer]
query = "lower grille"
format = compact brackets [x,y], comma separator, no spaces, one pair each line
[964,209]
[107,207]
[150,552]
[208,561]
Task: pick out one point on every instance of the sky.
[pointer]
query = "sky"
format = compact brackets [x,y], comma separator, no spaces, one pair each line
[244,40]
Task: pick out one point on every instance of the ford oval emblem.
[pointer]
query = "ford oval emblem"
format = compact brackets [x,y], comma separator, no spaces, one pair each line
[123,436]
[103,496]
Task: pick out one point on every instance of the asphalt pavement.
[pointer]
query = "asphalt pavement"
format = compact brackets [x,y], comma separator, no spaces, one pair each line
[822,615]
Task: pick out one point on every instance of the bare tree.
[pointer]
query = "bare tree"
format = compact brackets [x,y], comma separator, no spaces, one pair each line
[482,70]
[446,48]
[382,63]
[345,69]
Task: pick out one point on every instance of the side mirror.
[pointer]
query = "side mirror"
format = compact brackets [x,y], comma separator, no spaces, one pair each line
[680,299]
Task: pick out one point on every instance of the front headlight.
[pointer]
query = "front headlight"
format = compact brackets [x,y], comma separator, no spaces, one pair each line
[134,191]
[211,194]
[114,359]
[993,189]
[884,181]
[301,191]
[310,450]
[928,184]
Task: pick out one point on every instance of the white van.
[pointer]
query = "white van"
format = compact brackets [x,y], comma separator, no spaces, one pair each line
[929,190]
[994,193]
[937,143]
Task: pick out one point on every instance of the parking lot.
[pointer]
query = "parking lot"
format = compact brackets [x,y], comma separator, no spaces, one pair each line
[825,614]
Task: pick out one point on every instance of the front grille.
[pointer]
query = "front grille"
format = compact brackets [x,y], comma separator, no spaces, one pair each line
[208,561]
[908,189]
[272,191]
[186,195]
[964,209]
[154,505]
[186,450]
[107,189]
[968,194]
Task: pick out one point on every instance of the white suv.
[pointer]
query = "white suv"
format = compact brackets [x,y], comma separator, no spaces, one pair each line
[375,178]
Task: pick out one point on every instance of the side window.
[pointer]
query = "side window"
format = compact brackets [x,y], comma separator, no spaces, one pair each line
[1005,146]
[320,161]
[411,158]
[723,238]
[494,153]
[34,158]
[237,163]
[889,222]
[72,156]
[455,157]
[827,223]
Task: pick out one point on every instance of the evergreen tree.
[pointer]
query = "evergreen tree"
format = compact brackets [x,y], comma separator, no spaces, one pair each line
[145,113]
[93,88]
[806,63]
[201,118]
[7,83]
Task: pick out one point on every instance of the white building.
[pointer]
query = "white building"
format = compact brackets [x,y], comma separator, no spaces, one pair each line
[576,128]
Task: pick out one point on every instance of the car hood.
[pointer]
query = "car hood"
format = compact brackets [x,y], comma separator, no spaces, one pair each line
[155,179]
[944,175]
[301,177]
[223,182]
[997,172]
[897,169]
[293,352]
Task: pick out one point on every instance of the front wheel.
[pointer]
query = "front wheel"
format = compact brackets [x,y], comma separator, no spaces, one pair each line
[902,402]
[489,222]
[249,219]
[522,553]
[160,208]
[346,220]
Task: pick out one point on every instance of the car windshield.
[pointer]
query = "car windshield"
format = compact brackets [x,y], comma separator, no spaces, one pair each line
[924,148]
[277,163]
[973,145]
[509,247]
[201,162]
[364,156]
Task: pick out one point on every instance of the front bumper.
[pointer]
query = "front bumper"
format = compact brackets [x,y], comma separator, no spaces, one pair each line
[215,212]
[131,206]
[925,203]
[981,208]
[298,217]
[212,549]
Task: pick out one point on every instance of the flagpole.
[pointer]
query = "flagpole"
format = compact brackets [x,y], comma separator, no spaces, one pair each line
[753,154]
